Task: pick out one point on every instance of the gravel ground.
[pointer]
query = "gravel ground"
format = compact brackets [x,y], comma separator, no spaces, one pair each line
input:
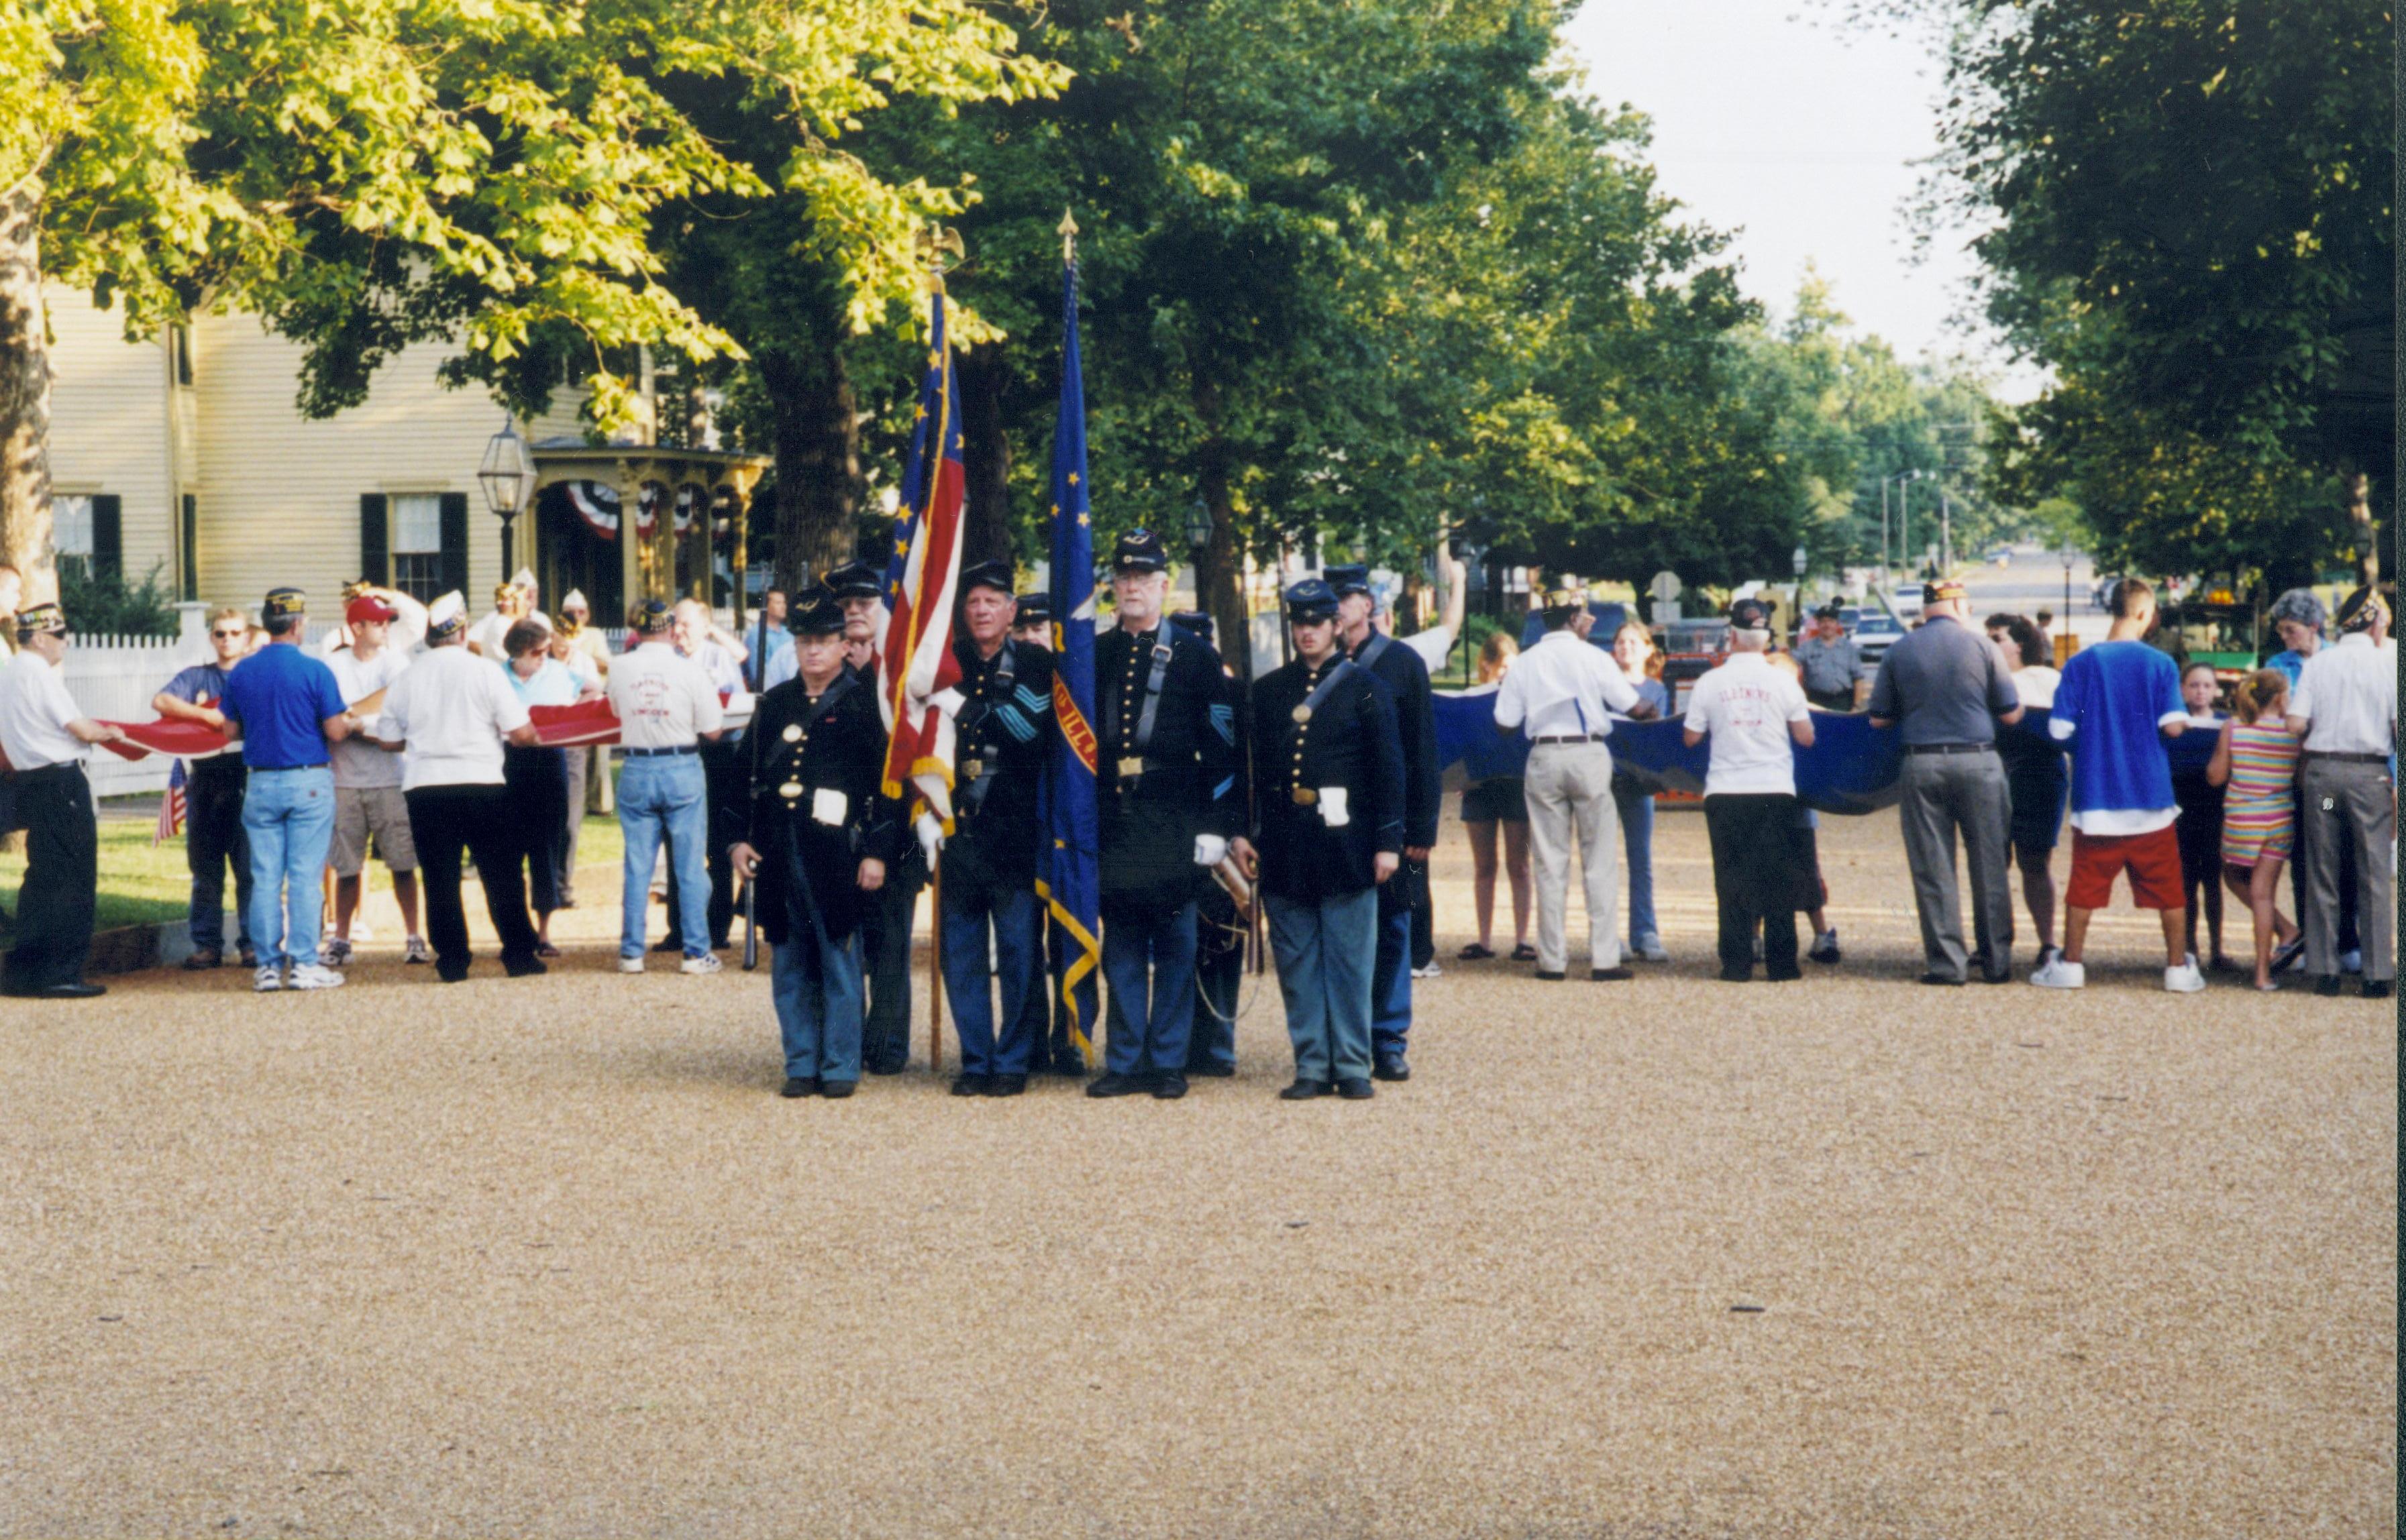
[1845,1258]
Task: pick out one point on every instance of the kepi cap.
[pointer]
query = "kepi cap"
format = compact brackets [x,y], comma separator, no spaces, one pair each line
[1196,623]
[987,574]
[1311,603]
[1035,610]
[814,612]
[1351,578]
[855,580]
[1140,551]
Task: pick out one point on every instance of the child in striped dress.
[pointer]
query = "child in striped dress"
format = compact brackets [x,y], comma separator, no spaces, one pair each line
[2255,760]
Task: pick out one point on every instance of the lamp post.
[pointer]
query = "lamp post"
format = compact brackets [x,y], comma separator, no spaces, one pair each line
[1198,524]
[507,476]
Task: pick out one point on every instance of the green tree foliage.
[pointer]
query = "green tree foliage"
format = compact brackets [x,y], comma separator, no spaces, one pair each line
[2190,221]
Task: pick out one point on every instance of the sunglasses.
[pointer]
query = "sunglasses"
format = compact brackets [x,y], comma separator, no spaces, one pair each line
[229,636]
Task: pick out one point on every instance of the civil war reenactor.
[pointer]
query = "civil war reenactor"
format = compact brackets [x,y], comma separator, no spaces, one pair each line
[1402,672]
[1164,809]
[816,844]
[44,737]
[1219,927]
[1047,1026]
[1327,834]
[1004,735]
[858,590]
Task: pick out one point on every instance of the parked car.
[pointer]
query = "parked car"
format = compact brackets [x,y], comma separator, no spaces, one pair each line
[1873,634]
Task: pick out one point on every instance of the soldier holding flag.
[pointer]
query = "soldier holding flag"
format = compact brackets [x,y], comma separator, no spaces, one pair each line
[1166,780]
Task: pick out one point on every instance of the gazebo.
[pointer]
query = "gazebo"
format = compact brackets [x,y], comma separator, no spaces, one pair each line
[663,562]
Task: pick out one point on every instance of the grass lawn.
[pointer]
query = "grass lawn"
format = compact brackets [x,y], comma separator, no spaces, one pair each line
[143,884]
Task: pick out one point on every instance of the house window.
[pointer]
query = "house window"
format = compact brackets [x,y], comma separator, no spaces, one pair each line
[71,533]
[418,544]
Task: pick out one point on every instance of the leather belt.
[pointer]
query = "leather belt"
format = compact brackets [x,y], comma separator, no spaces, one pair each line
[285,769]
[2347,758]
[1570,737]
[680,748]
[1951,748]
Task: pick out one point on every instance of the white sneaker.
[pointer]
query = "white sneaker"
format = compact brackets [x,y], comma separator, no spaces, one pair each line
[2187,979]
[414,950]
[2351,962]
[335,954]
[1431,971]
[268,979]
[2056,973]
[703,964]
[631,964]
[313,976]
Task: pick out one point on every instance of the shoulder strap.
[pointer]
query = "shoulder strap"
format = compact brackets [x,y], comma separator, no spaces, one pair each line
[1319,692]
[1380,642]
[1164,648]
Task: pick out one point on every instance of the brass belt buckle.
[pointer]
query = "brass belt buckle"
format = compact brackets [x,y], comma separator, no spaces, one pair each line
[1131,767]
[1304,797]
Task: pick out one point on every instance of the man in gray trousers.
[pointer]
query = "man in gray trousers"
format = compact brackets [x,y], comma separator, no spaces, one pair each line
[2345,709]
[1948,688]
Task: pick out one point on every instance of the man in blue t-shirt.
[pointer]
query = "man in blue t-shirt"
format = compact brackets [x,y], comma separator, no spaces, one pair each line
[213,836]
[289,709]
[2115,705]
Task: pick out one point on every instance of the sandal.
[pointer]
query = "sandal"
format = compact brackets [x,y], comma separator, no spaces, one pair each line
[544,949]
[1475,952]
[1524,953]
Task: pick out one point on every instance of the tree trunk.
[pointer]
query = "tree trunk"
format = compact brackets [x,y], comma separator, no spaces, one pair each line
[816,434]
[1219,576]
[982,375]
[24,396]
[2359,519]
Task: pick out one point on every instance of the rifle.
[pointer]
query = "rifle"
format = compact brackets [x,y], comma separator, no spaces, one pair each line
[751,925]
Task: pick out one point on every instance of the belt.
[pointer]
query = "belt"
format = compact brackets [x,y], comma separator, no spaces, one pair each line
[285,769]
[2348,759]
[1570,737]
[1951,748]
[647,754]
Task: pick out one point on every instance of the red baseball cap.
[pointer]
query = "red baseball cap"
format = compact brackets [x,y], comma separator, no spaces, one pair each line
[367,607]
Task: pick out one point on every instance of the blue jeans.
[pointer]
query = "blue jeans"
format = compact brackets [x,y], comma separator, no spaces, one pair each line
[663,793]
[1638,857]
[289,818]
[1391,978]
[1149,1026]
[969,968]
[1324,952]
[817,991]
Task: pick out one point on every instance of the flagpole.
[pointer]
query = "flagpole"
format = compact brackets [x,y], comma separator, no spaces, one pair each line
[935,965]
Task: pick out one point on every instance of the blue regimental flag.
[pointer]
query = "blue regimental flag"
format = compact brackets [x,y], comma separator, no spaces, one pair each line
[1071,878]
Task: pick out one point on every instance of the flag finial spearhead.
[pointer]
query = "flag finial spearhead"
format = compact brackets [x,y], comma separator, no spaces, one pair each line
[1069,230]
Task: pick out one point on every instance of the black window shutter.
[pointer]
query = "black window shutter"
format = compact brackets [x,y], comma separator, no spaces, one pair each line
[108,536]
[376,542]
[455,542]
[192,537]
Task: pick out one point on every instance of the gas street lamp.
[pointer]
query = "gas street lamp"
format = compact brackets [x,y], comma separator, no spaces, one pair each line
[507,476]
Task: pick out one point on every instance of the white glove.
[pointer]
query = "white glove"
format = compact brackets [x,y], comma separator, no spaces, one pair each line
[1211,849]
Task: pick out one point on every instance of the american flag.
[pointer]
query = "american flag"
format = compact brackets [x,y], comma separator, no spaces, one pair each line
[171,807]
[917,671]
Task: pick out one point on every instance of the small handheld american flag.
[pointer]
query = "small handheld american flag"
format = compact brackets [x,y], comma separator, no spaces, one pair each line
[171,807]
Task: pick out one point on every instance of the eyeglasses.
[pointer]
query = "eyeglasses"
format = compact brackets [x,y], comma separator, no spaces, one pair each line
[229,636]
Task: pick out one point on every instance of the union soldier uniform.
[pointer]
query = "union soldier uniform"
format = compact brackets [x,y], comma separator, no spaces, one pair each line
[52,804]
[885,926]
[1047,1025]
[1219,929]
[1164,784]
[1004,736]
[1406,676]
[1328,799]
[814,814]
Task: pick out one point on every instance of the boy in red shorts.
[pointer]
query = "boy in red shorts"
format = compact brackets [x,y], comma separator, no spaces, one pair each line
[2115,705]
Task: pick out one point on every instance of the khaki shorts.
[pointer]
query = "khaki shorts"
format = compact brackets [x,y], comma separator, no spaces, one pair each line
[363,810]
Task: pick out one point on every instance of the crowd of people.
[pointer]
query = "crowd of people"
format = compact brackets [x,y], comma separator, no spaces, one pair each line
[404,736]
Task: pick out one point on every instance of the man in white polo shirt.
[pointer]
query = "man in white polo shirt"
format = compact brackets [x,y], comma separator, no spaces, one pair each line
[666,705]
[450,712]
[2345,709]
[1757,719]
[44,736]
[1562,691]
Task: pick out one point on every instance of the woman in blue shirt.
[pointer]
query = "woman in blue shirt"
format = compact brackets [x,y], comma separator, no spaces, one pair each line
[537,776]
